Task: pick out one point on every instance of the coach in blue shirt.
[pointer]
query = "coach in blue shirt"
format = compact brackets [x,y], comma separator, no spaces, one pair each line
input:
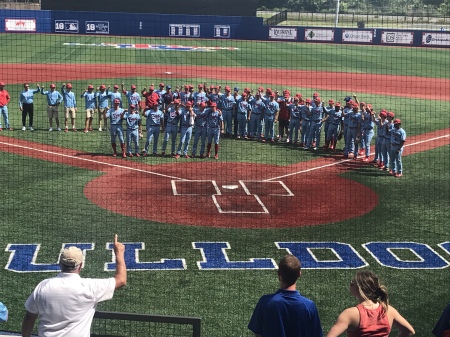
[286,313]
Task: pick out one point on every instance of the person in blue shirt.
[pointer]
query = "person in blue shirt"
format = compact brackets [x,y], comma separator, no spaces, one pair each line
[398,138]
[70,106]
[102,101]
[286,313]
[26,104]
[90,104]
[54,99]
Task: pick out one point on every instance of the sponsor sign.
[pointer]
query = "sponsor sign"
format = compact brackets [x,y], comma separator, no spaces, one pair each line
[397,37]
[150,46]
[20,25]
[24,258]
[364,36]
[184,30]
[97,27]
[312,34]
[222,31]
[283,33]
[66,26]
[436,39]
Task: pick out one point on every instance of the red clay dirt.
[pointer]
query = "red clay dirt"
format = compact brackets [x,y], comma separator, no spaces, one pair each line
[401,86]
[316,187]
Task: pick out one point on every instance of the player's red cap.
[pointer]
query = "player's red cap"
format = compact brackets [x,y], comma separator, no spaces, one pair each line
[308,100]
[102,86]
[52,86]
[316,94]
[132,106]
[272,95]
[151,87]
[133,87]
[355,105]
[161,84]
[317,99]
[188,104]
[116,86]
[202,105]
[117,101]
[383,113]
[397,121]
[390,114]
[301,101]
[298,95]
[227,88]
[244,94]
[217,87]
[247,89]
[191,86]
[213,104]
[351,102]
[211,87]
[2,84]
[176,101]
[69,85]
[260,88]
[269,90]
[186,86]
[331,101]
[89,86]
[200,86]
[338,104]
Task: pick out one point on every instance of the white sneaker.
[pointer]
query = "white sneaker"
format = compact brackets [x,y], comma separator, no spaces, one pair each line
[31,128]
[23,128]
[99,129]
[51,129]
[59,129]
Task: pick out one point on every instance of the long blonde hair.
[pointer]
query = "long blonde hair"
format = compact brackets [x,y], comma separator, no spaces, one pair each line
[370,288]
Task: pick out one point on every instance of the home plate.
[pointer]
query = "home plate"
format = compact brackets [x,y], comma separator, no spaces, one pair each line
[230,187]
[168,73]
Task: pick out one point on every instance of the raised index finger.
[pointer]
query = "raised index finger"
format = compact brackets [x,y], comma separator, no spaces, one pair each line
[115,238]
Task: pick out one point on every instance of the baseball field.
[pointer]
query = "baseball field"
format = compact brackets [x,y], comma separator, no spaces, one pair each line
[203,237]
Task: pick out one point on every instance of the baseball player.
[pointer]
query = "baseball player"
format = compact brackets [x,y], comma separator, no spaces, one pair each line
[186,95]
[70,106]
[200,129]
[306,121]
[200,96]
[186,123]
[161,92]
[155,118]
[237,96]
[367,124]
[171,127]
[214,95]
[243,109]
[335,118]
[102,99]
[4,100]
[327,121]
[116,114]
[345,116]
[167,98]
[90,104]
[26,99]
[270,118]
[227,103]
[256,115]
[294,122]
[114,94]
[214,122]
[284,116]
[398,138]
[132,96]
[380,122]
[354,131]
[134,128]
[54,99]
[316,125]
[386,146]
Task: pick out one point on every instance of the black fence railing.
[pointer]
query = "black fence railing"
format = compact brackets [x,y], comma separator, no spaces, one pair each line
[119,324]
[276,19]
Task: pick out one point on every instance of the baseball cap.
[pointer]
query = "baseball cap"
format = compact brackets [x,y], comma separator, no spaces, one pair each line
[186,87]
[26,85]
[69,85]
[272,95]
[117,101]
[213,104]
[191,86]
[132,106]
[338,104]
[51,85]
[116,86]
[316,94]
[200,86]
[161,84]
[298,95]
[227,88]
[176,101]
[102,86]
[317,99]
[397,121]
[151,87]
[133,87]
[89,86]
[202,104]
[169,87]
[390,114]
[347,99]
[71,257]
[331,101]
[244,94]
[308,100]
[2,83]
[188,104]
[211,87]
[236,88]
[355,105]
[246,89]
[260,88]
[269,89]
[383,113]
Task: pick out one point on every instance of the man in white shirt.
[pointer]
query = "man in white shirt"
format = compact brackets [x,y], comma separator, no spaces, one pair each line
[66,304]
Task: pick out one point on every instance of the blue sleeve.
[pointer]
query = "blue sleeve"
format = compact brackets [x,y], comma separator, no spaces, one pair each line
[256,321]
[316,326]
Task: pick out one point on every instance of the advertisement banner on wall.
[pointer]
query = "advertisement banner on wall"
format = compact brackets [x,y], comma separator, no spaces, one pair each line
[222,31]
[397,37]
[97,27]
[20,25]
[361,36]
[436,39]
[283,33]
[313,34]
[66,26]
[184,30]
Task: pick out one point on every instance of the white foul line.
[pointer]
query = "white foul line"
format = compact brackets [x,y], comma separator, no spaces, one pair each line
[93,161]
[346,160]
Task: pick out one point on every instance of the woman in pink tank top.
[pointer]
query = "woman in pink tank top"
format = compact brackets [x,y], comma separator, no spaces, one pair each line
[373,316]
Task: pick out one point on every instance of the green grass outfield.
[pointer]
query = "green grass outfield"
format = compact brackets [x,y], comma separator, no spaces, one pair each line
[44,202]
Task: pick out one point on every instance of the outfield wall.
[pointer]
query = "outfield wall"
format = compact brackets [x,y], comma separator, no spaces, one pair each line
[207,26]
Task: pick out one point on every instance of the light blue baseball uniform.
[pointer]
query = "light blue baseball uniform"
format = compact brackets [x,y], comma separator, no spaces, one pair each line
[116,119]
[398,138]
[133,120]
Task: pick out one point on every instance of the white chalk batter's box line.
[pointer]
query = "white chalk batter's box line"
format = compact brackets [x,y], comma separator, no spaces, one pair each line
[264,209]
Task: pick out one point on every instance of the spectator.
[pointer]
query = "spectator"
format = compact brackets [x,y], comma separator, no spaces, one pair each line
[286,313]
[373,316]
[66,304]
[26,104]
